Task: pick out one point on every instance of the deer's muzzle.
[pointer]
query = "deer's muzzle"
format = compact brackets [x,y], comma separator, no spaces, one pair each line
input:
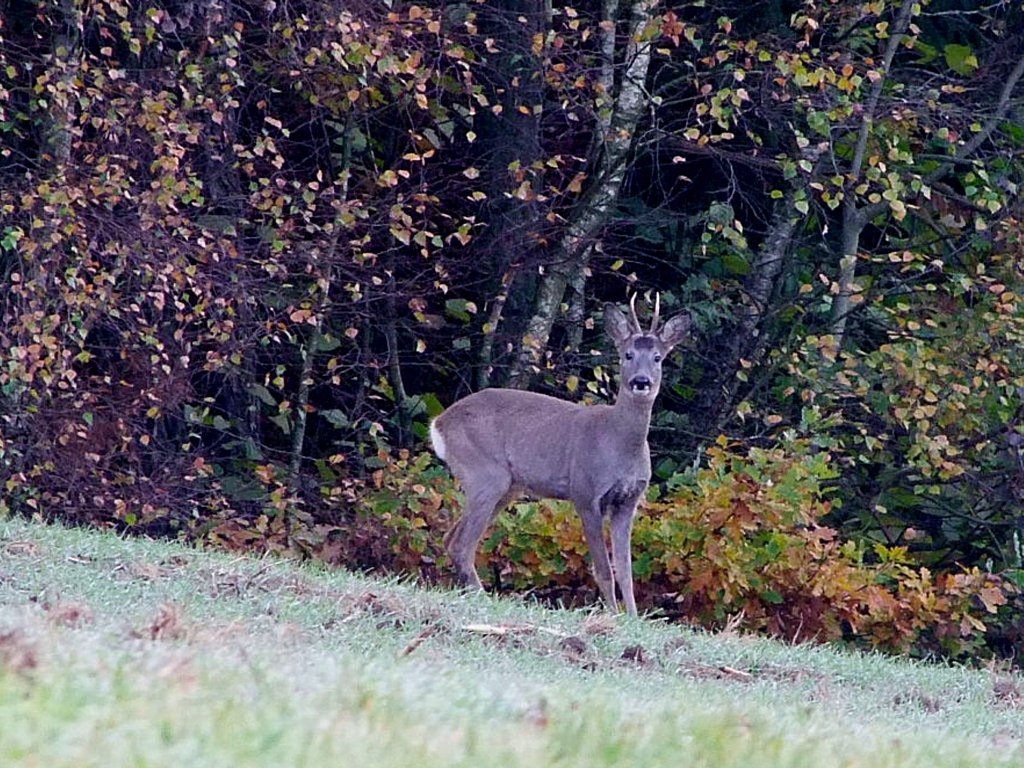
[640,385]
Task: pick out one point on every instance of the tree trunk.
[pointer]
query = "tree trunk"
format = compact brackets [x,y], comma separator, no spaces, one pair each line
[486,357]
[607,169]
[855,218]
[320,314]
[745,339]
[57,136]
[510,146]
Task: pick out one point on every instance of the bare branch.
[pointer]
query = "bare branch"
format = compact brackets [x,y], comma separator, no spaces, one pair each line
[868,118]
[1002,106]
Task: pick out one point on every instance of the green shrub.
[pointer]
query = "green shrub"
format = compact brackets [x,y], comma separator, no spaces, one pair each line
[740,543]
[744,543]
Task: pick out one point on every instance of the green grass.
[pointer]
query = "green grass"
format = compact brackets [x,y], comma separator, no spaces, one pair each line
[135,653]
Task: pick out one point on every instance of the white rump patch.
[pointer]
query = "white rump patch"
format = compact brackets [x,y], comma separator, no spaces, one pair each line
[437,440]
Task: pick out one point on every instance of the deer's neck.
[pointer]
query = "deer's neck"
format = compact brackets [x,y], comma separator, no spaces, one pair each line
[632,419]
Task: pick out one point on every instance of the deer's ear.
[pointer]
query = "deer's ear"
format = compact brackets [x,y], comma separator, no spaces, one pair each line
[616,324]
[675,330]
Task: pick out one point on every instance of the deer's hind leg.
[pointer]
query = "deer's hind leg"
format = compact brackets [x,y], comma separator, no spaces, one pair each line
[488,491]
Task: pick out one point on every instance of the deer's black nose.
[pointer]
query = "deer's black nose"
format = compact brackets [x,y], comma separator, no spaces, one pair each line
[640,384]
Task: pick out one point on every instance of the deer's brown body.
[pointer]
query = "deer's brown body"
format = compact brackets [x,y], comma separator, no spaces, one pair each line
[505,443]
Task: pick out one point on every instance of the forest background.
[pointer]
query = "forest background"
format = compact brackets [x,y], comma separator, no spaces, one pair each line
[249,249]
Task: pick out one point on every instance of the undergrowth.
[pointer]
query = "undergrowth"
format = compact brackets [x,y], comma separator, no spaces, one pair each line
[743,543]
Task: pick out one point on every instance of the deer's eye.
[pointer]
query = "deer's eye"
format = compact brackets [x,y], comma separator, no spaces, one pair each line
[629,355]
[657,358]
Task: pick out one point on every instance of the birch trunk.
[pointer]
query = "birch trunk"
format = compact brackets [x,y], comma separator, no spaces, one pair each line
[57,137]
[718,399]
[615,131]
[855,218]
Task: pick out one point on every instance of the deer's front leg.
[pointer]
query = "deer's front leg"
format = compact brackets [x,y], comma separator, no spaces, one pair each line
[622,558]
[593,530]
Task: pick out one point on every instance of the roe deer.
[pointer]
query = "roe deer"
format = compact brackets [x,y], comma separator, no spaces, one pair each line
[503,443]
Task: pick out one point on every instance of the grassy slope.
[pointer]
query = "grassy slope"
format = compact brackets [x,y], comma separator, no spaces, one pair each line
[138,653]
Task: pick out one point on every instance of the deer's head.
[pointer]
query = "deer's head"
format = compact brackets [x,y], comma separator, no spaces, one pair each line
[641,352]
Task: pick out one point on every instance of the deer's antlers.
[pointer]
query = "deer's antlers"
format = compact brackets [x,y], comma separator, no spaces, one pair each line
[637,328]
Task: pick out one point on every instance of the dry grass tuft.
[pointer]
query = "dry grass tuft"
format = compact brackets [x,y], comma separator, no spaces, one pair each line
[168,624]
[70,614]
[17,653]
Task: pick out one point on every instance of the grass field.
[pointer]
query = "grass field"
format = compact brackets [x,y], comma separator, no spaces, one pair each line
[134,653]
